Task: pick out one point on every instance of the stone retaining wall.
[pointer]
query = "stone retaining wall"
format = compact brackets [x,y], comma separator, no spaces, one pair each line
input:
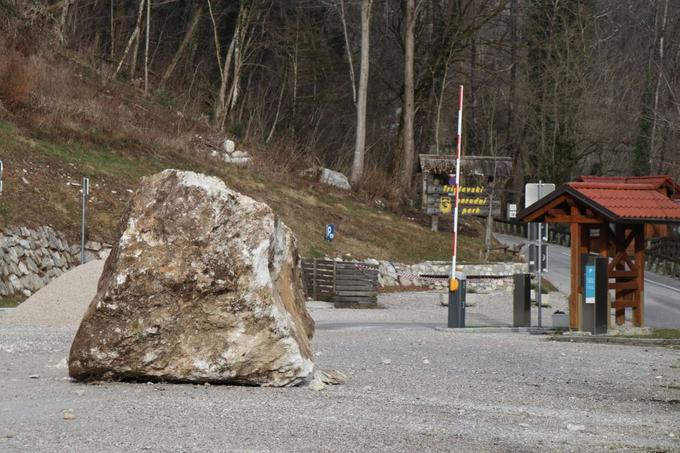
[31,258]
[498,275]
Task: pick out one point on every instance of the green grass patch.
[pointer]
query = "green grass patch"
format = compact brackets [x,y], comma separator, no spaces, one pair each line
[546,286]
[11,302]
[666,334]
[6,127]
[99,162]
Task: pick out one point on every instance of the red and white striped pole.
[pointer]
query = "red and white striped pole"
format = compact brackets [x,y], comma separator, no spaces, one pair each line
[453,282]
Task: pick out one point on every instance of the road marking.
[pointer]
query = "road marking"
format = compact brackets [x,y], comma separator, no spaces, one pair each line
[663,285]
[672,288]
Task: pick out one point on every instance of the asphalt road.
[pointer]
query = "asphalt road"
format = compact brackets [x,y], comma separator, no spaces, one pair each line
[662,294]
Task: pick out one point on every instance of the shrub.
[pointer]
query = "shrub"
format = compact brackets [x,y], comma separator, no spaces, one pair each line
[16,78]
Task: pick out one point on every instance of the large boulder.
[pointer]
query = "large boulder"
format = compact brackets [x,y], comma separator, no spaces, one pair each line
[204,285]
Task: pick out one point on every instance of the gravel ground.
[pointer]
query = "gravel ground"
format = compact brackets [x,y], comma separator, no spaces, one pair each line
[410,387]
[425,309]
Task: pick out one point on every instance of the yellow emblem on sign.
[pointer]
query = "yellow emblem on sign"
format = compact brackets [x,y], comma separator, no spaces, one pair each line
[445,205]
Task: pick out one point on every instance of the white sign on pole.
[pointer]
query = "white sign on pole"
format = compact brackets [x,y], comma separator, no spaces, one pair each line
[533,193]
[512,211]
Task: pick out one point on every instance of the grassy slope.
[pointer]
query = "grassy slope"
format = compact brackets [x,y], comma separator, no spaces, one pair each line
[74,128]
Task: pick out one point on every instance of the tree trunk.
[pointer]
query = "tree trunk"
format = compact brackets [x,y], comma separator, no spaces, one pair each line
[409,97]
[349,50]
[146,48]
[220,107]
[440,100]
[113,34]
[515,149]
[278,107]
[187,38]
[657,89]
[134,35]
[360,143]
[218,48]
[62,21]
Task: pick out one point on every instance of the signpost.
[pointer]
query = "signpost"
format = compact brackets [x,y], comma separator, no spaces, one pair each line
[330,231]
[532,193]
[86,192]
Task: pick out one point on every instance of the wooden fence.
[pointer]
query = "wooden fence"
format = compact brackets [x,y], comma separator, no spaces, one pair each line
[343,282]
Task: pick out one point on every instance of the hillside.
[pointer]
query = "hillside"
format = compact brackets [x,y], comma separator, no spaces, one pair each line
[68,125]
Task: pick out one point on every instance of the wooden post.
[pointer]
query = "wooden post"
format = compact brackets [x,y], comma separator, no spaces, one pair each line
[620,295]
[426,180]
[604,252]
[639,309]
[314,284]
[335,275]
[584,249]
[575,296]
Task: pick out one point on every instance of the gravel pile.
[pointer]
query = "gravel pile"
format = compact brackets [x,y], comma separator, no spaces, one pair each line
[61,303]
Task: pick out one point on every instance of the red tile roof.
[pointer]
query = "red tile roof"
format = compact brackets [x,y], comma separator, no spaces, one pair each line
[629,200]
[657,181]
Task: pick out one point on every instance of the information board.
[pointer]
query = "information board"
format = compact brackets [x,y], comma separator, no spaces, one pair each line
[590,284]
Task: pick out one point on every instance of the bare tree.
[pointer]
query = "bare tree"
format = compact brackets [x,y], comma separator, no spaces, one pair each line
[348,49]
[408,140]
[62,21]
[146,48]
[657,89]
[188,36]
[360,143]
[133,37]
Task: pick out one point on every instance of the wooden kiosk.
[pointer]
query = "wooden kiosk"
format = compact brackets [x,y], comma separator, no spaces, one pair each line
[611,217]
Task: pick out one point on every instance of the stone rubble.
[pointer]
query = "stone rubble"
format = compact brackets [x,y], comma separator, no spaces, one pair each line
[232,155]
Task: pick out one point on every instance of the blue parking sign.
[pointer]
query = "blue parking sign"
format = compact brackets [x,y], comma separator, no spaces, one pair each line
[330,231]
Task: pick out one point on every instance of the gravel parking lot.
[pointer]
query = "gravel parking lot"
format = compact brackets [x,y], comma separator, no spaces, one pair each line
[411,387]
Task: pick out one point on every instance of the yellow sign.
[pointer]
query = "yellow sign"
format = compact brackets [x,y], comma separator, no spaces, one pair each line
[445,205]
[473,201]
[452,189]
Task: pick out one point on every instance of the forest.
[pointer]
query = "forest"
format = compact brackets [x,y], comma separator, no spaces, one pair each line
[563,87]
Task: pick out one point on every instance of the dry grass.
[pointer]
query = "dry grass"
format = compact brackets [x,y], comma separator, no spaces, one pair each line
[71,125]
